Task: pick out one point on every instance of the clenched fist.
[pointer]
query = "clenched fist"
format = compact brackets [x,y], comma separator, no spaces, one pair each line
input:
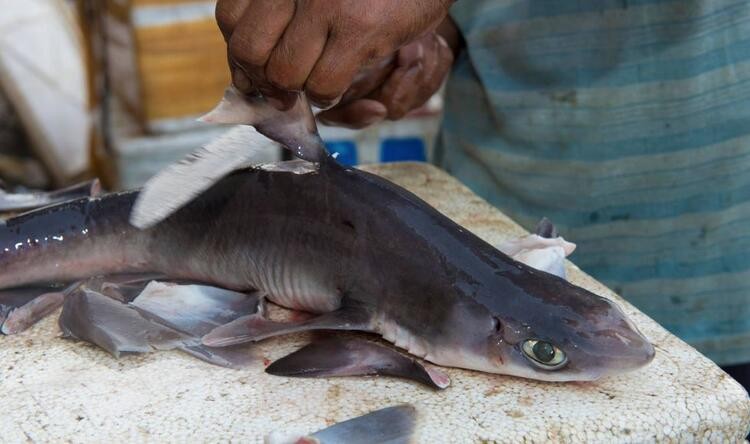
[278,46]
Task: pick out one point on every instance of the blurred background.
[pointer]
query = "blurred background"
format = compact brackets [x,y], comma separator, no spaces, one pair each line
[112,88]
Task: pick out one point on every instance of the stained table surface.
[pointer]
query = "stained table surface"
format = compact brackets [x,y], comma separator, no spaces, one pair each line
[58,390]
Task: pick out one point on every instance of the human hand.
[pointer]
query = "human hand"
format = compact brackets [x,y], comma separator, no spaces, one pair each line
[279,46]
[394,87]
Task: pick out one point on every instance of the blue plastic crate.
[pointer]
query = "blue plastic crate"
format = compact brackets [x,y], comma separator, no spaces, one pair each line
[400,150]
[346,149]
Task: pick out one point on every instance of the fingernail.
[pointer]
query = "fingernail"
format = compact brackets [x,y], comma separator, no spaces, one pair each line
[325,104]
[373,119]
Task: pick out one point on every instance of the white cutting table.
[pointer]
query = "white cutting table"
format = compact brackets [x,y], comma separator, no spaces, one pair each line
[54,390]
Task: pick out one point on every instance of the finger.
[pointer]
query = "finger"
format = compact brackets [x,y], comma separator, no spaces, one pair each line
[240,80]
[443,67]
[369,79]
[355,115]
[334,72]
[435,73]
[399,92]
[296,53]
[228,13]
[411,54]
[281,100]
[432,65]
[258,31]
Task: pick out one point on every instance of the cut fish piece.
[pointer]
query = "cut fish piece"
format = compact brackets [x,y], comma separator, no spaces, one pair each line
[124,287]
[22,318]
[392,425]
[152,323]
[355,357]
[17,297]
[21,308]
[545,250]
[193,309]
[90,316]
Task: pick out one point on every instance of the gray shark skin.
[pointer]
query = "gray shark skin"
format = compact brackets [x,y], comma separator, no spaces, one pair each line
[357,249]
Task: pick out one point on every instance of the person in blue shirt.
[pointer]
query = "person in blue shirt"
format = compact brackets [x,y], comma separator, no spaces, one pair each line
[626,122]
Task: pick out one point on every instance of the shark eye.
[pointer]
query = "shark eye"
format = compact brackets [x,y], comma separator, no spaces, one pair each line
[543,354]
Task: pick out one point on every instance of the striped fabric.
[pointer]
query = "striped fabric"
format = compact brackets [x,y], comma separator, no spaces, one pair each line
[627,122]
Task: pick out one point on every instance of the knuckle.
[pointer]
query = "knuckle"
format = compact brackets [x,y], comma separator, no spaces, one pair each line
[322,97]
[364,19]
[283,80]
[246,53]
[225,17]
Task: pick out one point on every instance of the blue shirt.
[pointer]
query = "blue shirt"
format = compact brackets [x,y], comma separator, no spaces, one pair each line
[626,122]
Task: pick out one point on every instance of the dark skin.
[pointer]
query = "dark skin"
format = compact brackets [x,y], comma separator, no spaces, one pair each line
[401,84]
[278,47]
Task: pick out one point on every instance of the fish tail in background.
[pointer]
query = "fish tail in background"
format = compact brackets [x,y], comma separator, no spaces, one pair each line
[72,241]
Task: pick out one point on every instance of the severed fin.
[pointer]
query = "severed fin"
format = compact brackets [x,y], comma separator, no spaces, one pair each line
[294,128]
[255,327]
[124,287]
[21,308]
[336,356]
[14,298]
[24,317]
[545,250]
[181,182]
[90,316]
[231,357]
[392,425]
[120,328]
[194,309]
[30,200]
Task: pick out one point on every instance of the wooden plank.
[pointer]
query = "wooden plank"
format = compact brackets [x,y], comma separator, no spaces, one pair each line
[182,68]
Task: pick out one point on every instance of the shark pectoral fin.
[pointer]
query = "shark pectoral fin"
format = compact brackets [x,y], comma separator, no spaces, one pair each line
[354,357]
[255,327]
